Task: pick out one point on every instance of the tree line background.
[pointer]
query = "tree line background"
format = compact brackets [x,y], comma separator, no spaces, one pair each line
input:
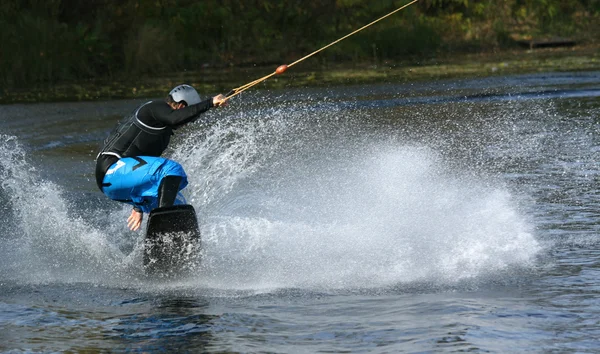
[49,41]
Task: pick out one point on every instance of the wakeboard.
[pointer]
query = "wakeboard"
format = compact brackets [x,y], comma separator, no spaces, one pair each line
[172,242]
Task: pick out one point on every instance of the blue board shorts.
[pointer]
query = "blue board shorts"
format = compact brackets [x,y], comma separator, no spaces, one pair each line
[135,180]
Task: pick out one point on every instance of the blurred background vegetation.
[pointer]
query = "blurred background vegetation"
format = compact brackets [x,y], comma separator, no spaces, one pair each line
[53,41]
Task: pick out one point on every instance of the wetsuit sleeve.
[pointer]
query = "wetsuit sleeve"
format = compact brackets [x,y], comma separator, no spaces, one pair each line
[174,117]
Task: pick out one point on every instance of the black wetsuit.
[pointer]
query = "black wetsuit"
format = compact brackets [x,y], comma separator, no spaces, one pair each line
[146,132]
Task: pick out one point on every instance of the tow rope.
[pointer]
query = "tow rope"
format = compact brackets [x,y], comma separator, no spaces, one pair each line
[282,68]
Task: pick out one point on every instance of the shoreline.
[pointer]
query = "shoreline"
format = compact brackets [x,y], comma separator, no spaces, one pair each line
[214,80]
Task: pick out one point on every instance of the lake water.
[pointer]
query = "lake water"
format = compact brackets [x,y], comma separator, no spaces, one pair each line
[428,217]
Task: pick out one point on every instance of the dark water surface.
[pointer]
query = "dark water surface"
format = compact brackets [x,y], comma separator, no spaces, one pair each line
[435,217]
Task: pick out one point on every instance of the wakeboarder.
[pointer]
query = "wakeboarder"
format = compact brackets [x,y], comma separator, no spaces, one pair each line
[129,167]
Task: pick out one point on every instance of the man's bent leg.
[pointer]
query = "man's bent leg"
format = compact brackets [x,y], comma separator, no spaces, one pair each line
[171,179]
[136,180]
[167,191]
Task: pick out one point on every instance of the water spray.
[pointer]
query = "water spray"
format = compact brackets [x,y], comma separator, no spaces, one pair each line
[282,68]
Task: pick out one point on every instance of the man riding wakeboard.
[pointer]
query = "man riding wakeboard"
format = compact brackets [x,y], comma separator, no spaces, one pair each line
[129,167]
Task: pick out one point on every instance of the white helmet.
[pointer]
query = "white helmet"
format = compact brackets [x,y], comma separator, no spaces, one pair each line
[185,93]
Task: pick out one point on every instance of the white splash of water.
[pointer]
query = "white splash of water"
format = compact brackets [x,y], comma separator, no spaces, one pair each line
[46,242]
[294,202]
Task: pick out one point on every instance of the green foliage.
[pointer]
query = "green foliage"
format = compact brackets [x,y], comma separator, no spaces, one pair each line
[47,41]
[144,51]
[42,49]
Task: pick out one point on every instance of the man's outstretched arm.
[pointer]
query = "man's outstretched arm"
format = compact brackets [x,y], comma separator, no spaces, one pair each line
[175,117]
